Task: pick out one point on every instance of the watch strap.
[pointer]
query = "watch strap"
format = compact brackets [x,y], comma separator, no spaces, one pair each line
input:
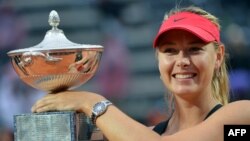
[95,114]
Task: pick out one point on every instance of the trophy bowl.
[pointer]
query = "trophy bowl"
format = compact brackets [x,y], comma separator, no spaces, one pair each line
[56,64]
[56,70]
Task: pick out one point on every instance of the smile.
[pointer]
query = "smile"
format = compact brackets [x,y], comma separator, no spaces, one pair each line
[184,76]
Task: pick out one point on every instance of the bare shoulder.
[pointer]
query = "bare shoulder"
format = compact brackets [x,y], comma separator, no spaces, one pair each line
[237,105]
[240,103]
[236,112]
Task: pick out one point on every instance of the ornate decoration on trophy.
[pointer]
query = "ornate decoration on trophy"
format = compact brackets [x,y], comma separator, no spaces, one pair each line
[55,64]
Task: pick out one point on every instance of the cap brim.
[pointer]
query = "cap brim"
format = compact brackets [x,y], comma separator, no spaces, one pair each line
[201,33]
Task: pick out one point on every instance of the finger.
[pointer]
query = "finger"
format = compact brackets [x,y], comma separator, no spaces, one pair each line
[46,108]
[41,103]
[38,106]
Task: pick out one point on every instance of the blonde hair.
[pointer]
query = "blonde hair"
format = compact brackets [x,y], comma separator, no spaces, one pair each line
[220,81]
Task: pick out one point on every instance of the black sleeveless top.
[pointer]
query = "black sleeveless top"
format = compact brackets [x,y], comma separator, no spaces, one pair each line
[161,127]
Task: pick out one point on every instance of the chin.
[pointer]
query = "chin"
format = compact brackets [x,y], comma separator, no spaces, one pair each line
[183,91]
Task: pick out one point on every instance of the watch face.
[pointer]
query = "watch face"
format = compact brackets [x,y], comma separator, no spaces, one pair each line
[99,108]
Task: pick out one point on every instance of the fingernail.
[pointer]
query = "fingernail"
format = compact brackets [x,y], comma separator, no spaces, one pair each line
[32,109]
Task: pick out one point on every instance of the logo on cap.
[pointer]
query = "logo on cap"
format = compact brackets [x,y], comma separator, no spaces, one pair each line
[176,20]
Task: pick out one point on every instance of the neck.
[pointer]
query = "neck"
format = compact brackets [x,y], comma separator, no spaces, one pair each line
[188,113]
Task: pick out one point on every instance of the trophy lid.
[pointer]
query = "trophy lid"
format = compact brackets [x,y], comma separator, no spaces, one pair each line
[55,40]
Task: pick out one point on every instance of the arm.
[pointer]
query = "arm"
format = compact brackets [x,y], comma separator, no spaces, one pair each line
[114,124]
[120,127]
[117,126]
[213,128]
[97,135]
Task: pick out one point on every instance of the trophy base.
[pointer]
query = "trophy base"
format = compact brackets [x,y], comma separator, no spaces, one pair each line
[52,126]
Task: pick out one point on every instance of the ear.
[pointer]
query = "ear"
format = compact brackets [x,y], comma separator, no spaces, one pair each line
[220,55]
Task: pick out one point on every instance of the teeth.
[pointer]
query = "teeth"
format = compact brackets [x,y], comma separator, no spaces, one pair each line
[183,76]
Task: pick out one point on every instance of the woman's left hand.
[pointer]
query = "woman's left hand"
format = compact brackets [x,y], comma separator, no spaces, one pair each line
[67,100]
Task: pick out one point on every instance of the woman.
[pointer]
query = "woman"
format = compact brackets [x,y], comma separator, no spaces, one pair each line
[192,67]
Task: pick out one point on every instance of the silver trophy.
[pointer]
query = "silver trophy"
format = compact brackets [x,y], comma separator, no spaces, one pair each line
[55,64]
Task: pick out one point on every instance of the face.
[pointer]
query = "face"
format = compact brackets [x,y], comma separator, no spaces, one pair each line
[187,63]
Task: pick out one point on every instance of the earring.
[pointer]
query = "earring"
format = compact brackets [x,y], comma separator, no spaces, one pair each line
[217,73]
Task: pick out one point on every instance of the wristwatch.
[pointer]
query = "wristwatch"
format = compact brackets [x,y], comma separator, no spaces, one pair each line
[99,109]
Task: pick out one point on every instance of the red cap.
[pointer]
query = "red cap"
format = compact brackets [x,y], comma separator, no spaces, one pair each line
[196,24]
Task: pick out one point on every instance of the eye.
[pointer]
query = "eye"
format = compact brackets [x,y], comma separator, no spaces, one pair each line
[169,50]
[194,49]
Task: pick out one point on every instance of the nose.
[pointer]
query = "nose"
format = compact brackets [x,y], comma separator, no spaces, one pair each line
[183,59]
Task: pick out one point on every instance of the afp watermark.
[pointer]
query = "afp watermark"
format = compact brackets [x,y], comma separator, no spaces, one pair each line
[236,132]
